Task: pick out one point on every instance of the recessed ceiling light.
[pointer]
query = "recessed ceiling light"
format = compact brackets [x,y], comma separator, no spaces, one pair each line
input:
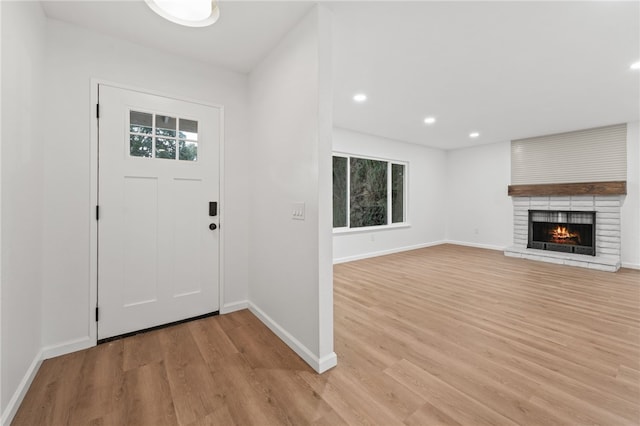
[474,134]
[190,13]
[360,97]
[635,66]
[429,120]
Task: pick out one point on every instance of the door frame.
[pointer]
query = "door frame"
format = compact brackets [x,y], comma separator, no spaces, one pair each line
[93,201]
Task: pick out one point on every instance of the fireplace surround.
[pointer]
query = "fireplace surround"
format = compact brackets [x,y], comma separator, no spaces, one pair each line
[607,233]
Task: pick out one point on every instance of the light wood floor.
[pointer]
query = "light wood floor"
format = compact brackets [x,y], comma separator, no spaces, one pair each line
[440,336]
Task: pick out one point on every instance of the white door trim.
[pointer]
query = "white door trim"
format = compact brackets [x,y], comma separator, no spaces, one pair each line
[93,201]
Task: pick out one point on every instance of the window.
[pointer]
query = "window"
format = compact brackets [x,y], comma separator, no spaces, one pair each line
[175,138]
[368,192]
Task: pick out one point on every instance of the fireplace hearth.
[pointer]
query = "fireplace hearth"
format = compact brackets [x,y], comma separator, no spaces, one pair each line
[563,231]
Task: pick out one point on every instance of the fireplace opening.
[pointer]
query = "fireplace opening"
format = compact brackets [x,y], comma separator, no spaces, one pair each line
[569,232]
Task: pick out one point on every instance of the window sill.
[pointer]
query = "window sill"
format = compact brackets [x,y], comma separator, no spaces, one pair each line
[343,231]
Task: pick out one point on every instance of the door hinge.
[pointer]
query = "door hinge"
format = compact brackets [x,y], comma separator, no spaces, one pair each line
[97,212]
[97,314]
[97,110]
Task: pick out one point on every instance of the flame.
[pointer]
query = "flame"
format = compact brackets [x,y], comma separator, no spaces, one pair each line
[562,235]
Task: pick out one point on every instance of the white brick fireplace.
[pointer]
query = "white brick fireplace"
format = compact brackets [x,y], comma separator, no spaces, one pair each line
[608,232]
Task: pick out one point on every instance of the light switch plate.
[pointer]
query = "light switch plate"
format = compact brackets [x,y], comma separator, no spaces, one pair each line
[297,211]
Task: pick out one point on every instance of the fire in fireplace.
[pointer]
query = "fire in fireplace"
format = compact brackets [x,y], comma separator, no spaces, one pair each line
[564,231]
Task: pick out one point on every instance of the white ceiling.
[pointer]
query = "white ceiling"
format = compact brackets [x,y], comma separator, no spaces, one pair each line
[244,34]
[505,69]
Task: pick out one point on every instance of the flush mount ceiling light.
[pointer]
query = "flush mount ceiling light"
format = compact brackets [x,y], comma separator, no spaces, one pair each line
[635,66]
[190,13]
[474,134]
[429,120]
[360,97]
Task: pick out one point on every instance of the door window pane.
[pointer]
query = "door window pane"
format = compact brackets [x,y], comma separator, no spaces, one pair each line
[140,146]
[189,129]
[339,192]
[397,193]
[165,148]
[188,150]
[140,122]
[165,126]
[188,140]
[368,196]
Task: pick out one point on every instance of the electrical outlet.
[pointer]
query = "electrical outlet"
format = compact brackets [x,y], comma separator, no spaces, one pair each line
[297,211]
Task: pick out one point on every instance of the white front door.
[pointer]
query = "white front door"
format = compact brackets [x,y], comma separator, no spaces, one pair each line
[158,172]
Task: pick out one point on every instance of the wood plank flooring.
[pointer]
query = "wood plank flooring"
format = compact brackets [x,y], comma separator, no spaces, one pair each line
[445,335]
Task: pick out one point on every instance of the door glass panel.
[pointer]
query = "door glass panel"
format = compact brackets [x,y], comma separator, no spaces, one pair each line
[165,126]
[166,148]
[189,129]
[140,146]
[188,150]
[140,122]
[188,140]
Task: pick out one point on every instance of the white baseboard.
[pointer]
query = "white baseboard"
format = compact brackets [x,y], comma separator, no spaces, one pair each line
[327,362]
[631,265]
[234,306]
[15,401]
[319,365]
[67,347]
[476,245]
[385,252]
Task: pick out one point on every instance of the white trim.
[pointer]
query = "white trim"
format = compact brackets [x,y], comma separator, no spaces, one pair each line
[345,231]
[221,211]
[93,224]
[1,344]
[234,306]
[476,245]
[67,347]
[319,365]
[327,362]
[15,401]
[631,265]
[93,232]
[347,155]
[386,252]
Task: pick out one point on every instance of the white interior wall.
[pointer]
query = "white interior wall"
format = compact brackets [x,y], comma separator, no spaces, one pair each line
[23,53]
[630,214]
[426,197]
[290,140]
[75,56]
[479,211]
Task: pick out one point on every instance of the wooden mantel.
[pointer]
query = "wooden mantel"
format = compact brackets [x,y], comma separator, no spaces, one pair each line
[563,189]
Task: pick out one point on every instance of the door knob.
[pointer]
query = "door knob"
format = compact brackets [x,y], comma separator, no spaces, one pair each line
[213,226]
